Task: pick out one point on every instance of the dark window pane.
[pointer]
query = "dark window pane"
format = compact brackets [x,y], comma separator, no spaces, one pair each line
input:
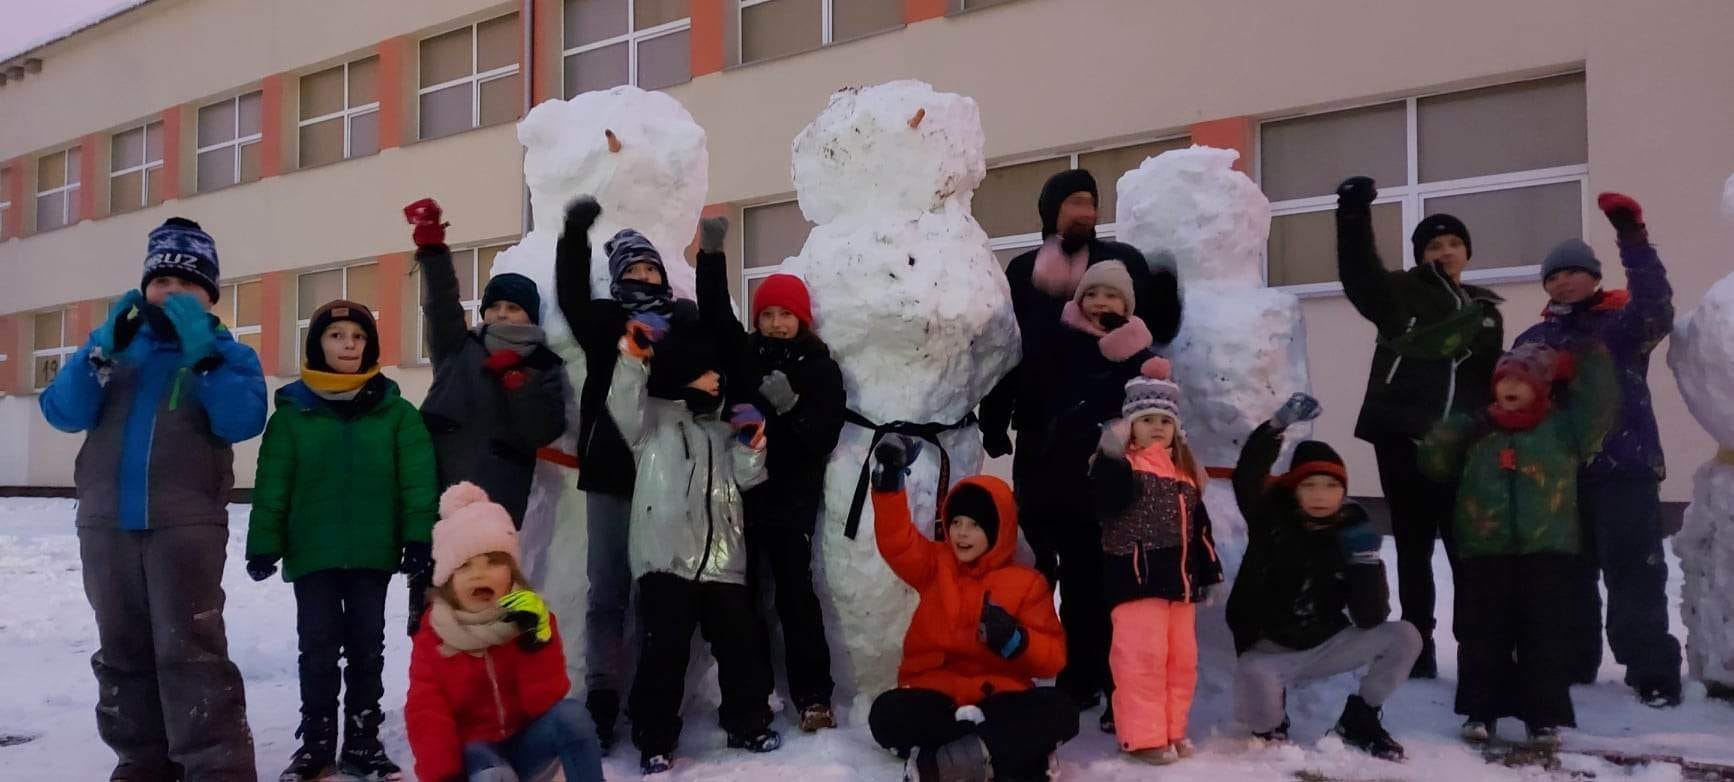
[363,82]
[154,142]
[1516,227]
[779,27]
[322,143]
[446,57]
[1512,127]
[499,43]
[251,104]
[364,134]
[1109,164]
[653,13]
[154,185]
[216,169]
[250,161]
[126,150]
[1303,247]
[773,233]
[597,69]
[1308,156]
[126,192]
[217,123]
[1005,204]
[447,111]
[589,21]
[855,18]
[665,61]
[322,93]
[502,99]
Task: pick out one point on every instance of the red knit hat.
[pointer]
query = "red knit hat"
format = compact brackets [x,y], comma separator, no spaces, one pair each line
[786,291]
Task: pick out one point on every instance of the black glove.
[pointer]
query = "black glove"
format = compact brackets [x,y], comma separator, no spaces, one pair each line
[895,453]
[997,443]
[1000,630]
[711,233]
[417,559]
[418,587]
[1356,192]
[581,213]
[262,566]
[1113,320]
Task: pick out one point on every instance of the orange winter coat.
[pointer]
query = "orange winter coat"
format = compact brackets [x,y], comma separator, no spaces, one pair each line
[941,651]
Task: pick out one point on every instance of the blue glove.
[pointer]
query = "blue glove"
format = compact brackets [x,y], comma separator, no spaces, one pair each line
[193,326]
[1299,407]
[103,338]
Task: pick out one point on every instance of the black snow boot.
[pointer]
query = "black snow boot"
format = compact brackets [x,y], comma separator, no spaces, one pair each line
[317,757]
[365,759]
[761,741]
[604,708]
[1360,728]
[1427,665]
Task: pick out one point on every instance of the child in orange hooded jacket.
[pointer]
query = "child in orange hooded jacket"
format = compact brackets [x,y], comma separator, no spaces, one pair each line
[983,631]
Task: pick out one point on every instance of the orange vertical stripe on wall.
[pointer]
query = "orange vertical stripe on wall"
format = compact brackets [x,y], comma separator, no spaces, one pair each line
[271,126]
[88,184]
[707,37]
[171,153]
[393,270]
[271,322]
[393,90]
[922,10]
[1230,133]
[547,38]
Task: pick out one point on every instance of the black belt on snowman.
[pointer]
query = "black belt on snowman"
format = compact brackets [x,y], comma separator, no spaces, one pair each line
[929,432]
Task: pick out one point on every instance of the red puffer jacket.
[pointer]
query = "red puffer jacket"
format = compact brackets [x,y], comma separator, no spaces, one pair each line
[463,698]
[940,650]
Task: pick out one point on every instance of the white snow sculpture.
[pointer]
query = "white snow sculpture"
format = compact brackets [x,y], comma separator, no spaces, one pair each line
[1701,354]
[914,307]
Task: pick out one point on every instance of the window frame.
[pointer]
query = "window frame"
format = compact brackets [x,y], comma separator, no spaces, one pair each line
[827,29]
[238,142]
[475,79]
[303,323]
[143,169]
[633,38]
[348,113]
[1413,194]
[68,187]
[61,352]
[231,300]
[1074,159]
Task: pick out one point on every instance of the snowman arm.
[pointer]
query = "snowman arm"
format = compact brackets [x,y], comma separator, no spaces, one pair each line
[912,557]
[627,396]
[1252,474]
[441,311]
[1365,279]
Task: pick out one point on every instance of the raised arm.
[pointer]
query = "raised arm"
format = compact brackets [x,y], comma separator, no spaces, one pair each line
[572,262]
[1649,316]
[912,557]
[1365,279]
[442,312]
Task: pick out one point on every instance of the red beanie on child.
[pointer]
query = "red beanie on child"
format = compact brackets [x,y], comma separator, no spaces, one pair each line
[786,291]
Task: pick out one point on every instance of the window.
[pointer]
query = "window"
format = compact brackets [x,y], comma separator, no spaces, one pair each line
[774,28]
[1511,161]
[469,78]
[357,283]
[1005,204]
[241,308]
[5,200]
[135,178]
[971,5]
[50,347]
[340,113]
[647,43]
[57,189]
[229,134]
[770,234]
[474,267]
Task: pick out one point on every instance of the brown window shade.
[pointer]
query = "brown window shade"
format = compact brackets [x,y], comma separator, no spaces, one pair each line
[50,171]
[499,43]
[256,341]
[1303,247]
[464,264]
[249,303]
[363,285]
[1309,156]
[73,170]
[1109,164]
[217,123]
[250,161]
[51,211]
[315,289]
[447,111]
[154,186]
[363,82]
[224,308]
[665,60]
[322,93]
[589,21]
[446,57]
[322,142]
[48,330]
[773,233]
[597,69]
[1518,226]
[126,192]
[364,134]
[1512,127]
[126,150]
[502,99]
[1005,204]
[855,18]
[216,169]
[651,13]
[250,106]
[154,142]
[779,27]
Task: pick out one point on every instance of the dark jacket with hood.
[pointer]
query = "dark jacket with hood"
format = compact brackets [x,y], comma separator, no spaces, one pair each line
[483,432]
[1303,580]
[1156,538]
[605,461]
[799,442]
[1437,340]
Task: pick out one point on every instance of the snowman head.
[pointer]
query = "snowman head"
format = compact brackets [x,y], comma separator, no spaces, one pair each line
[898,146]
[1191,205]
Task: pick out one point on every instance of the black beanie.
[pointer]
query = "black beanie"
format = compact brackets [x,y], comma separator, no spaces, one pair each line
[1058,188]
[1435,226]
[1313,457]
[313,352]
[976,503]
[517,289]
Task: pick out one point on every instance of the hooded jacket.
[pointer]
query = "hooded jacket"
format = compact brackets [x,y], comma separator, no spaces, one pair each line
[1156,538]
[940,649]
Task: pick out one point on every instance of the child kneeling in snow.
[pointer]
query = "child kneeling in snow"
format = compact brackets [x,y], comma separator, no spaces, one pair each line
[1518,540]
[1310,600]
[966,696]
[1159,559]
[487,679]
[687,540]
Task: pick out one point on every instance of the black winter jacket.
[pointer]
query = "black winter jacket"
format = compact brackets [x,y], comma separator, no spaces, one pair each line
[1302,580]
[1156,538]
[605,462]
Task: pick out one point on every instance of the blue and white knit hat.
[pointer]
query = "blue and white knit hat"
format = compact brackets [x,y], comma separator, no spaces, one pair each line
[180,248]
[1145,395]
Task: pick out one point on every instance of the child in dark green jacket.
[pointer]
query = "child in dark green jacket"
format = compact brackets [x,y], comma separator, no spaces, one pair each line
[345,495]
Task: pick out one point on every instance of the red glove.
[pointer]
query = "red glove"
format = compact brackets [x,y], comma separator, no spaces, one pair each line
[1622,210]
[425,216]
[503,364]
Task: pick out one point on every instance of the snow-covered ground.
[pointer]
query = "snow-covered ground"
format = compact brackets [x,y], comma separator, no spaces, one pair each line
[47,635]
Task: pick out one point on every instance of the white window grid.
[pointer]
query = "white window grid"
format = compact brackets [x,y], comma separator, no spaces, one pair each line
[633,38]
[1413,195]
[59,353]
[144,169]
[1074,159]
[472,307]
[69,161]
[239,141]
[349,113]
[474,79]
[302,324]
[826,33]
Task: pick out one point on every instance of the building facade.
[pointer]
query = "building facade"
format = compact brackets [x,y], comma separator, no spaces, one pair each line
[294,132]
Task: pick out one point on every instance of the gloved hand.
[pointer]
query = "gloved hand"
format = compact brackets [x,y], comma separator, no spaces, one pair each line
[1000,631]
[1299,407]
[1115,435]
[997,443]
[194,327]
[526,609]
[642,333]
[895,453]
[417,559]
[262,566]
[1356,192]
[103,338]
[775,389]
[503,364]
[1622,210]
[711,233]
[425,216]
[581,214]
[749,425]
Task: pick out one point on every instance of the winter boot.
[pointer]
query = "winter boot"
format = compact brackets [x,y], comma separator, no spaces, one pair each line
[1360,728]
[365,759]
[316,759]
[964,759]
[1658,695]
[1107,721]
[764,740]
[656,764]
[1157,756]
[604,708]
[1276,735]
[1427,665]
[816,717]
[1185,748]
[1479,732]
[1543,737]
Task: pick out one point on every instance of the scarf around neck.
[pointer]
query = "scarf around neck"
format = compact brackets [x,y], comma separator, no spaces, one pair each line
[1057,272]
[336,386]
[470,632]
[520,339]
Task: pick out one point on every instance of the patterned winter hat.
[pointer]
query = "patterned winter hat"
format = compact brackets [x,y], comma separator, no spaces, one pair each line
[1146,395]
[180,248]
[470,525]
[628,247]
[1535,364]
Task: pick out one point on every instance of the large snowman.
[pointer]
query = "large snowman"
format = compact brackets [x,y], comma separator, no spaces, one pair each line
[1702,357]
[644,159]
[914,307]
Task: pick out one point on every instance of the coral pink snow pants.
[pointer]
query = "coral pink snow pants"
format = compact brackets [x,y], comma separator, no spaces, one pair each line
[1155,662]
